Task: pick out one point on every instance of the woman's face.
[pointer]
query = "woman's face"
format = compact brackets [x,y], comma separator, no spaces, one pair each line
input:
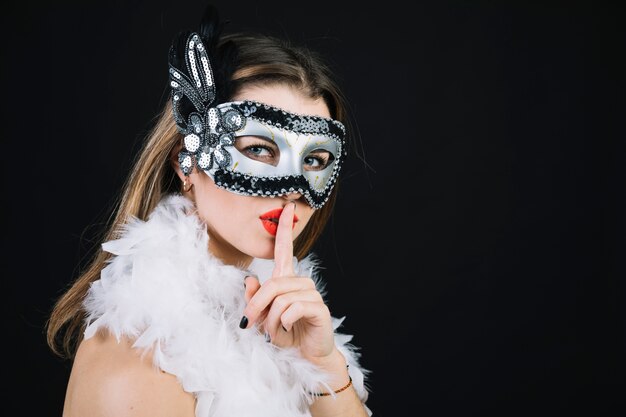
[238,226]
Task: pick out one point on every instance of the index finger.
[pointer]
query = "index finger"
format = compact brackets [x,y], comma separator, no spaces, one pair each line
[283,245]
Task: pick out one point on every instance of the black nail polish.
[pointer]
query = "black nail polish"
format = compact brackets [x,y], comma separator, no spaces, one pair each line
[243,323]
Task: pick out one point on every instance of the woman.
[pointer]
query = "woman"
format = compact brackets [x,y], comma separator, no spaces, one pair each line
[205,298]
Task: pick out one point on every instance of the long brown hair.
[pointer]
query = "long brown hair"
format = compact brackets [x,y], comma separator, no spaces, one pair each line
[260,59]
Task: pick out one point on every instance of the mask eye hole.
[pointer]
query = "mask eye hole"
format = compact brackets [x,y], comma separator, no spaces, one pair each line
[318,160]
[259,149]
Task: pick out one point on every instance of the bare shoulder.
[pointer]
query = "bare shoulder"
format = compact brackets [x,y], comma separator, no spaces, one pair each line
[112,378]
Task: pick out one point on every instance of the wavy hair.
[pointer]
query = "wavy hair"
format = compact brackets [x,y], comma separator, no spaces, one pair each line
[259,60]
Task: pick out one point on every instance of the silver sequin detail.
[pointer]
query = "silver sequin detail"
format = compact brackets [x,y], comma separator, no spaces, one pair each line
[204,161]
[221,157]
[192,142]
[213,118]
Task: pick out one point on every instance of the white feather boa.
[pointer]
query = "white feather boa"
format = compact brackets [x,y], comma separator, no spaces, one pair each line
[166,291]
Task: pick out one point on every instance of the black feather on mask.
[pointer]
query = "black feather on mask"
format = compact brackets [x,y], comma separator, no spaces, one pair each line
[197,86]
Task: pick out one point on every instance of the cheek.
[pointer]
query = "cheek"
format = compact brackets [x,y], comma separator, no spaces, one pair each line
[216,206]
[304,216]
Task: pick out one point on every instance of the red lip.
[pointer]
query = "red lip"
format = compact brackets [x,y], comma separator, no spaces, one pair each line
[270,220]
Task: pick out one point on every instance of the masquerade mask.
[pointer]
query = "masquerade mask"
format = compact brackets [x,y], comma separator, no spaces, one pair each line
[247,147]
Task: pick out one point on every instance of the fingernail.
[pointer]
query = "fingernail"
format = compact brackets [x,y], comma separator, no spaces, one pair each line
[268,339]
[248,275]
[284,328]
[243,323]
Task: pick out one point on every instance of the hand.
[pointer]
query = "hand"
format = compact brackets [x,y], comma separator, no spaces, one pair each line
[287,307]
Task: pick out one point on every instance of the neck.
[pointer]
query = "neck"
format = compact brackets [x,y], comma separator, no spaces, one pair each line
[228,254]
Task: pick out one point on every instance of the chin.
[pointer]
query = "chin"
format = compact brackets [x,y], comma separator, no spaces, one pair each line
[266,256]
[261,251]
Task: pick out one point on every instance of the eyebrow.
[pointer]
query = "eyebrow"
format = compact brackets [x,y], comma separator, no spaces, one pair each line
[264,138]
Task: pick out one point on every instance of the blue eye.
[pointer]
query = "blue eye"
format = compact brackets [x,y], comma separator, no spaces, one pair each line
[258,150]
[318,160]
[313,162]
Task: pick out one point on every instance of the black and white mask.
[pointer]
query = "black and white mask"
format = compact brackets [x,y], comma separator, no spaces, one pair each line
[252,148]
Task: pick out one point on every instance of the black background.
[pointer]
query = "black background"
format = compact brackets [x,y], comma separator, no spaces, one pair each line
[478,253]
